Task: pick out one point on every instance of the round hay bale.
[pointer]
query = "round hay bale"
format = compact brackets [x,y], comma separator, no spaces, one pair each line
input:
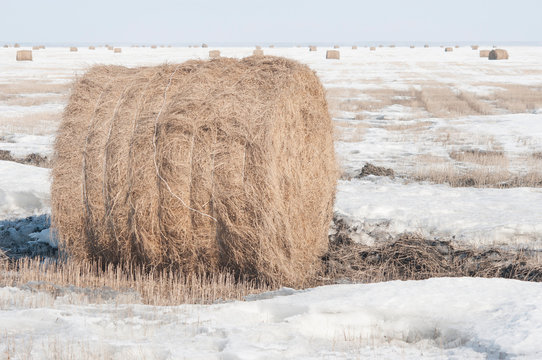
[117,50]
[498,54]
[484,53]
[201,166]
[204,45]
[42,47]
[271,46]
[92,48]
[372,48]
[313,48]
[474,47]
[111,48]
[354,47]
[412,46]
[6,45]
[333,54]
[153,46]
[35,47]
[24,55]
[73,49]
[213,54]
[449,49]
[426,46]
[392,46]
[336,46]
[258,52]
[16,45]
[258,47]
[457,46]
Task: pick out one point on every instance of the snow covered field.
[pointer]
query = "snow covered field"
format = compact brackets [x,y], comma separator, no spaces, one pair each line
[426,114]
[461,318]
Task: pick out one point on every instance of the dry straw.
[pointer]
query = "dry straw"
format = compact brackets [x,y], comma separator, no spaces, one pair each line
[449,49]
[117,50]
[258,52]
[213,54]
[333,54]
[498,54]
[484,53]
[198,167]
[313,48]
[24,55]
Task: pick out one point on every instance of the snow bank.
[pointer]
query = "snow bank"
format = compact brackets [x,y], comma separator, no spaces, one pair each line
[438,318]
[24,190]
[473,216]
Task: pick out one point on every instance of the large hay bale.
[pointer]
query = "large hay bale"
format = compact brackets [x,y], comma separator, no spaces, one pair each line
[333,54]
[449,49]
[257,52]
[117,50]
[213,54]
[474,47]
[203,166]
[73,49]
[24,55]
[498,54]
[92,48]
[313,48]
[484,53]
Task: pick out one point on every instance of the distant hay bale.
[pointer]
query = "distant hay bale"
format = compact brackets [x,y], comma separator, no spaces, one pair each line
[372,48]
[333,54]
[169,46]
[152,170]
[457,46]
[313,48]
[271,46]
[484,53]
[498,54]
[92,48]
[6,45]
[204,45]
[426,46]
[164,46]
[117,50]
[257,52]
[336,46]
[111,48]
[24,55]
[258,47]
[213,54]
[380,45]
[449,49]
[42,47]
[354,47]
[392,46]
[73,49]
[412,46]
[35,47]
[474,47]
[153,46]
[16,45]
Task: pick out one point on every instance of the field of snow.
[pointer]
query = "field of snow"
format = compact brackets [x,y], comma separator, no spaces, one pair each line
[390,110]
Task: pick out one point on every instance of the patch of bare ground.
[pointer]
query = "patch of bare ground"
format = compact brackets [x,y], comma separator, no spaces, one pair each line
[31,159]
[411,257]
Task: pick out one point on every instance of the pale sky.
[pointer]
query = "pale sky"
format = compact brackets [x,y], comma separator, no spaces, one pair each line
[270,21]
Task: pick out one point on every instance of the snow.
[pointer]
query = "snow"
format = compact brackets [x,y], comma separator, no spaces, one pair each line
[470,216]
[20,145]
[454,318]
[24,190]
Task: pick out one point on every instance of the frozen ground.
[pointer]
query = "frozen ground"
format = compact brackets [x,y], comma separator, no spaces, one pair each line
[379,101]
[461,318]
